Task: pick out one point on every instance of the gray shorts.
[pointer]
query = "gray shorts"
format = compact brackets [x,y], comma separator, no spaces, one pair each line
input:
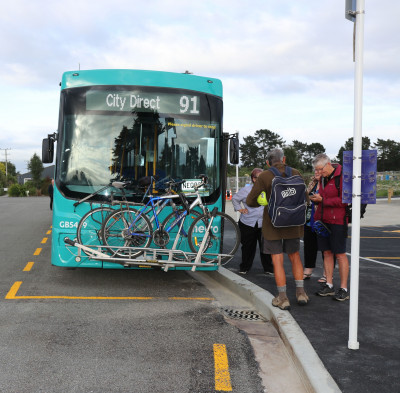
[288,246]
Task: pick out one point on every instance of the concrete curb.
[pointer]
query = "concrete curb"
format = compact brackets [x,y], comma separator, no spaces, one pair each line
[314,374]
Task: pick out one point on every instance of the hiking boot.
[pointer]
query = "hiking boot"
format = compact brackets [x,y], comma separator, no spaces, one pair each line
[281,302]
[341,295]
[326,291]
[302,298]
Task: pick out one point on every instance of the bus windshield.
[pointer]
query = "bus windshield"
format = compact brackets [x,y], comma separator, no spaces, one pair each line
[110,133]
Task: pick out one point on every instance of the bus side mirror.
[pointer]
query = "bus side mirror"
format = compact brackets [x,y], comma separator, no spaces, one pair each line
[47,150]
[234,151]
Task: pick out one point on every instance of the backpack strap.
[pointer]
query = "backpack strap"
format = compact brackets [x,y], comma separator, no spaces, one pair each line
[288,171]
[275,171]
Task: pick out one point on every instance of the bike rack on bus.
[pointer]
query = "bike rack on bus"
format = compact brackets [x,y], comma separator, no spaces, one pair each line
[189,259]
[149,257]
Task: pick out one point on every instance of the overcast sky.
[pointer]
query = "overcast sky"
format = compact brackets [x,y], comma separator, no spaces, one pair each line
[285,65]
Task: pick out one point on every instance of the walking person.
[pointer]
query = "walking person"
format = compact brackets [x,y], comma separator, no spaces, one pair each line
[280,240]
[51,192]
[332,212]
[250,225]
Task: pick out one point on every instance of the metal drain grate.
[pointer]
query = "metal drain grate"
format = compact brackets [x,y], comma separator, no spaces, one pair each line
[247,315]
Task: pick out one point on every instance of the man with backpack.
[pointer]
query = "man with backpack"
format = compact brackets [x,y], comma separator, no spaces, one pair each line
[283,222]
[332,213]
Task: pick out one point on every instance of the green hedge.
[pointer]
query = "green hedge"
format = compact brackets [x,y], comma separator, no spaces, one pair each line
[16,190]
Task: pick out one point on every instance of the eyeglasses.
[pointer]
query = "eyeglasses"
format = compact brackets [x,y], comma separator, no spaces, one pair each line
[320,169]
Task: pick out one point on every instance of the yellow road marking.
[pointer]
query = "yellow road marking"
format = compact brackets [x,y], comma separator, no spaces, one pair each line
[28,266]
[12,294]
[44,240]
[396,231]
[13,291]
[48,232]
[190,298]
[222,376]
[38,251]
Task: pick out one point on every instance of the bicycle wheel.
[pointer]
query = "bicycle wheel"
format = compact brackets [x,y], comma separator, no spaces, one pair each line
[182,242]
[224,236]
[125,228]
[89,227]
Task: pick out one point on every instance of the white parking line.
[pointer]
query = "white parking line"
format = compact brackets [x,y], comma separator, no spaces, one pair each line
[371,260]
[379,262]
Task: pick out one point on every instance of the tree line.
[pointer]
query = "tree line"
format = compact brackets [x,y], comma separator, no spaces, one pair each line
[254,149]
[9,178]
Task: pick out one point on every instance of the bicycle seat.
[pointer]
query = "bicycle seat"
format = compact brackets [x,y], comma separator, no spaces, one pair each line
[118,184]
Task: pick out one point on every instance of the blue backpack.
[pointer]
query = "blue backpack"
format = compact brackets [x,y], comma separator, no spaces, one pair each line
[287,205]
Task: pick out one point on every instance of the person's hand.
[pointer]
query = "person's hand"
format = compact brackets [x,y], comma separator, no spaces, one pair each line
[316,198]
[243,211]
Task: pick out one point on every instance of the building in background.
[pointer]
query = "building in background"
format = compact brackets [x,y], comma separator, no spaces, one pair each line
[48,171]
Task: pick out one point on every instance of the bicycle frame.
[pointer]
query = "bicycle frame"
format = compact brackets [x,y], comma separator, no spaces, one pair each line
[161,203]
[197,202]
[145,210]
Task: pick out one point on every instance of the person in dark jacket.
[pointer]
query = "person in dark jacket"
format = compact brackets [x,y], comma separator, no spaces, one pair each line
[279,240]
[332,212]
[51,191]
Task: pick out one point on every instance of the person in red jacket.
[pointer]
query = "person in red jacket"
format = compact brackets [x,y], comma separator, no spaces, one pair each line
[332,212]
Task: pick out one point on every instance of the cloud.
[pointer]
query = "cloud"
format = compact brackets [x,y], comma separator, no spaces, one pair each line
[285,65]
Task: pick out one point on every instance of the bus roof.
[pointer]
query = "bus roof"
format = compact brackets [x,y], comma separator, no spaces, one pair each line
[83,78]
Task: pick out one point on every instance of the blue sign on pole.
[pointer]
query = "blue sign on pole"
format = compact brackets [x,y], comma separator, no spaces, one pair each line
[350,9]
[368,176]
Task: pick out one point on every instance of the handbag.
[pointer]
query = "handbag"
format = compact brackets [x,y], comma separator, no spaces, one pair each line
[321,229]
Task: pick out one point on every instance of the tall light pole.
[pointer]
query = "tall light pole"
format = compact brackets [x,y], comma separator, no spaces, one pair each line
[5,153]
[357,16]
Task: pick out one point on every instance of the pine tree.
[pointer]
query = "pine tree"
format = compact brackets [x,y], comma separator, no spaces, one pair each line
[35,167]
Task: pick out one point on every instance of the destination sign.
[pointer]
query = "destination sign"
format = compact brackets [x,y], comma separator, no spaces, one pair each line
[138,101]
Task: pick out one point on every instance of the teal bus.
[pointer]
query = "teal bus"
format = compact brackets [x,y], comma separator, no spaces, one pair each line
[129,125]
